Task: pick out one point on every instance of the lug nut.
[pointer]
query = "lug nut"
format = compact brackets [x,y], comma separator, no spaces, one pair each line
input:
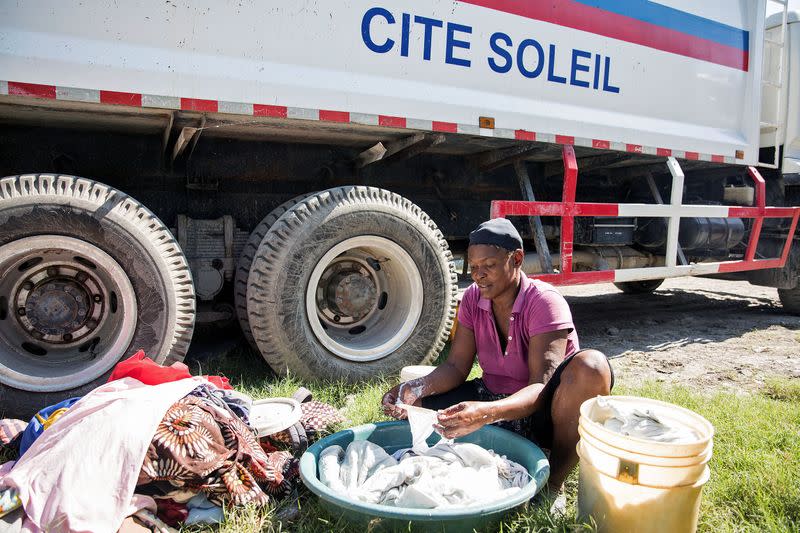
[97,298]
[81,276]
[337,318]
[52,271]
[27,285]
[21,311]
[67,337]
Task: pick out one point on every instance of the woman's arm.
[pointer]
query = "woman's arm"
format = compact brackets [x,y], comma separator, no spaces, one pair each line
[445,377]
[545,352]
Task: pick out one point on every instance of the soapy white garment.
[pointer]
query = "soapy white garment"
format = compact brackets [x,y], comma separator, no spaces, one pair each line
[447,475]
[642,424]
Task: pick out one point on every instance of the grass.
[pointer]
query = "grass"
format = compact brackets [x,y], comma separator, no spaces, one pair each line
[755,483]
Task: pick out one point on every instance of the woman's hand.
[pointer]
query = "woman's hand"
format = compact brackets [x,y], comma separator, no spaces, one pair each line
[462,419]
[389,402]
[408,393]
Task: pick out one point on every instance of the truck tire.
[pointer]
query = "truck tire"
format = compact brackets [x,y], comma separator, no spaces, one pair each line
[246,260]
[88,276]
[790,299]
[351,283]
[639,287]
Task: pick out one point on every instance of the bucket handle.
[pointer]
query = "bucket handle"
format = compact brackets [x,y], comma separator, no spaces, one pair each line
[628,472]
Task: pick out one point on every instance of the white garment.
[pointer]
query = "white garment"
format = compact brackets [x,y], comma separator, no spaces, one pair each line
[421,421]
[447,475]
[642,424]
[80,474]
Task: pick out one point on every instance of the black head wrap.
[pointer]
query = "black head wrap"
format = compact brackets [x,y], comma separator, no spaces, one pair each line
[499,232]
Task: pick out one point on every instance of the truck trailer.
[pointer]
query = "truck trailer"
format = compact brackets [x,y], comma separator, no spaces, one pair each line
[312,169]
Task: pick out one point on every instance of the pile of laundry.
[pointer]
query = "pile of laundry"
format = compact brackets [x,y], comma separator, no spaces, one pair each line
[152,449]
[443,476]
[641,423]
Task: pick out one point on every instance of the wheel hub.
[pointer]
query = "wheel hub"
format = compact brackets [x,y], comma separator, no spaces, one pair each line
[59,304]
[348,292]
[352,295]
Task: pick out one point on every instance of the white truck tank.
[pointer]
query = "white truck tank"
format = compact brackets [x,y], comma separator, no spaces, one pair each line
[310,168]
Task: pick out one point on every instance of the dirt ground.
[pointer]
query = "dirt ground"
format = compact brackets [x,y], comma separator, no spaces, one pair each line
[703,333]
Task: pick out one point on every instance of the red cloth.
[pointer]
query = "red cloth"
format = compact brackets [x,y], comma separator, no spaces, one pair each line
[141,367]
[171,512]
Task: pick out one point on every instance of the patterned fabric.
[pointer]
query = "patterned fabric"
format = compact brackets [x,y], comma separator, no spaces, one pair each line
[315,420]
[205,448]
[318,417]
[10,431]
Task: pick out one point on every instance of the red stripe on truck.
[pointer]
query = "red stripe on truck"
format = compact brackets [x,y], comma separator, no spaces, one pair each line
[565,139]
[276,111]
[446,127]
[334,116]
[197,104]
[16,88]
[597,143]
[391,122]
[119,98]
[523,135]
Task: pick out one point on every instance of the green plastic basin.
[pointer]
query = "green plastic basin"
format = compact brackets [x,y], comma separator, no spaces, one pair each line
[392,436]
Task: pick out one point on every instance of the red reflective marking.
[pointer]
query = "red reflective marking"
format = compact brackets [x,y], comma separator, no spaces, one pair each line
[504,208]
[447,127]
[577,278]
[16,88]
[523,135]
[665,152]
[565,139]
[718,158]
[691,155]
[262,110]
[635,148]
[197,104]
[758,221]
[391,122]
[568,199]
[597,143]
[334,116]
[120,98]
[741,266]
[790,237]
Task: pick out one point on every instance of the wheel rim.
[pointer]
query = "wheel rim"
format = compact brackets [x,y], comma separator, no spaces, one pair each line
[67,313]
[364,298]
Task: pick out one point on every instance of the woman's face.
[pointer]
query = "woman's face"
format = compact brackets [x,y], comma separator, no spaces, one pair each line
[493,269]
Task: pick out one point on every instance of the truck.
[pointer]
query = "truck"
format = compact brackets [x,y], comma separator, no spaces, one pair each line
[313,169]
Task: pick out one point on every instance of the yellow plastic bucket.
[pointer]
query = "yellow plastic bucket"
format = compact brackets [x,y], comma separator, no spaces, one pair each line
[632,484]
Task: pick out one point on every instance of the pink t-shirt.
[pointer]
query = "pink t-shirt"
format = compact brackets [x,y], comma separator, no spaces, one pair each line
[539,308]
